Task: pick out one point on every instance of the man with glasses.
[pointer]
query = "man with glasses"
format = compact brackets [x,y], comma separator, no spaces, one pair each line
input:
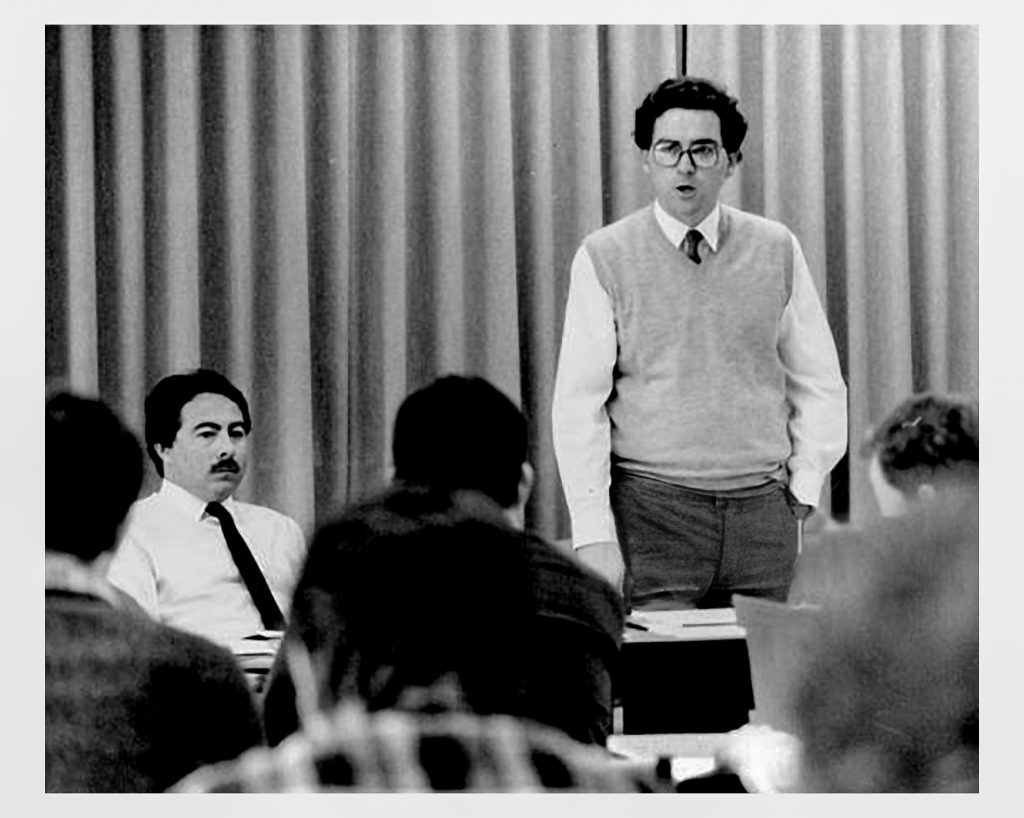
[699,404]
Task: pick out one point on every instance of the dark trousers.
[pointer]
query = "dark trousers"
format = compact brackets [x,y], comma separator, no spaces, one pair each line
[685,548]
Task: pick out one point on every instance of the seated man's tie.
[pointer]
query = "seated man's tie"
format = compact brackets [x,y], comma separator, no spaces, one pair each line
[253,578]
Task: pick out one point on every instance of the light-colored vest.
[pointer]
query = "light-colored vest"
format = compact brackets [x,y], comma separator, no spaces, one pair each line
[700,393]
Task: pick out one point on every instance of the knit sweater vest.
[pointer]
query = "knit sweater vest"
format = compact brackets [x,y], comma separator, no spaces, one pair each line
[700,393]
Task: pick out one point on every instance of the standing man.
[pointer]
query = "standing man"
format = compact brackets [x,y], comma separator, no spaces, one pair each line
[192,556]
[699,404]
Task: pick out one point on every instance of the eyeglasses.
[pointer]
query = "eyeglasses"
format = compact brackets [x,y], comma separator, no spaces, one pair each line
[667,153]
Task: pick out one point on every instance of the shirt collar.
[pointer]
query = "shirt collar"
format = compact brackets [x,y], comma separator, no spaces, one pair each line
[186,502]
[65,572]
[675,230]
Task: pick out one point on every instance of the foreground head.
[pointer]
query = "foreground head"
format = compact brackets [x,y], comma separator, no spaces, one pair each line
[413,593]
[690,131]
[463,433]
[197,433]
[93,475]
[888,698]
[927,443]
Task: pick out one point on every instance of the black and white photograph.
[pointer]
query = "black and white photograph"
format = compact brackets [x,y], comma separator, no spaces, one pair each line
[490,408]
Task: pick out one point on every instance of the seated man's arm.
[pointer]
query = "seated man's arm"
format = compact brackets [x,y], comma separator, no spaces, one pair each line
[132,571]
[294,545]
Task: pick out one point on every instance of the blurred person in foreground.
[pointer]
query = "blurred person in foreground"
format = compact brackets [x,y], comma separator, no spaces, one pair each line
[885,697]
[131,705]
[456,435]
[925,448]
[408,657]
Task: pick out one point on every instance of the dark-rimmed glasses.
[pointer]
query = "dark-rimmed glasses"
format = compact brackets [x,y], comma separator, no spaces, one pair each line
[668,152]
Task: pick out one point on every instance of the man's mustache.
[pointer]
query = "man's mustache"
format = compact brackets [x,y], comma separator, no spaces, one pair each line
[226,465]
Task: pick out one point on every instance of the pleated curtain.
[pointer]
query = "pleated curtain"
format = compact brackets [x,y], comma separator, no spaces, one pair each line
[332,216]
[864,141]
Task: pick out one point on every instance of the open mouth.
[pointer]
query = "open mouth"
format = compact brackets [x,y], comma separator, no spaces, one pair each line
[686,190]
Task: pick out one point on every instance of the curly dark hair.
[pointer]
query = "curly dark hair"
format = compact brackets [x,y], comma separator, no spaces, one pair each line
[928,438]
[694,93]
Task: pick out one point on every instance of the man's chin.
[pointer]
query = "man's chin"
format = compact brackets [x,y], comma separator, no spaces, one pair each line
[685,210]
[223,485]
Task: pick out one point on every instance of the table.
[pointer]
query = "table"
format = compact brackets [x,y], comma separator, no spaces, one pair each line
[686,672]
[692,754]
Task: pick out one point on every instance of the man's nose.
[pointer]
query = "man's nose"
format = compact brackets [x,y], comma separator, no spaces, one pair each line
[686,165]
[225,447]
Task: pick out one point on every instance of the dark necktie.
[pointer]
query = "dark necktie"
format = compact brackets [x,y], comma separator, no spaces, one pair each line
[689,246]
[247,567]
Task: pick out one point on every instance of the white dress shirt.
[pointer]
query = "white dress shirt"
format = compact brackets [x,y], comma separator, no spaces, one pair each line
[174,561]
[582,430]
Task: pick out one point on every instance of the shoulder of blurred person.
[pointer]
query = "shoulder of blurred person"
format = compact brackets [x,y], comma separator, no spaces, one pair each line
[884,689]
[494,591]
[566,587]
[887,698]
[575,638]
[130,705]
[827,564]
[834,561]
[351,749]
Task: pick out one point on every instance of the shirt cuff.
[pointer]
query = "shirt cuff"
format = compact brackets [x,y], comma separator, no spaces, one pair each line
[592,522]
[805,486]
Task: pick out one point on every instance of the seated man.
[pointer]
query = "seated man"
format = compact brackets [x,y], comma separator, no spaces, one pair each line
[462,434]
[410,653]
[131,705]
[927,446]
[193,556]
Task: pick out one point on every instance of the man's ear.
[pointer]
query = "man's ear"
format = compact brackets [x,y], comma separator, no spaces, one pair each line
[732,163]
[646,161]
[162,453]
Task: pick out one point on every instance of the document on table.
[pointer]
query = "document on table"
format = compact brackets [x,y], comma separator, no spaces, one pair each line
[707,623]
[263,643]
[687,618]
[697,756]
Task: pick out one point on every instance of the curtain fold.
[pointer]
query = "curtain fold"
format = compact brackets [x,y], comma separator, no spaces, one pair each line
[332,216]
[863,141]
